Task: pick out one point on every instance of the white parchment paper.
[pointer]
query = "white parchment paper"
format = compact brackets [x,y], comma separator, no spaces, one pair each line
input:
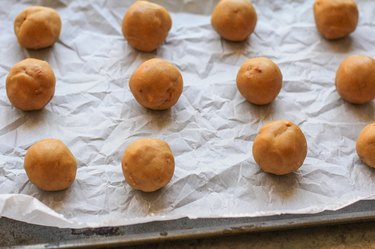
[210,130]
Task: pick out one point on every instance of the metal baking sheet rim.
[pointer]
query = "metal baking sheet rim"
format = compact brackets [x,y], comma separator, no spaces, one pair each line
[361,211]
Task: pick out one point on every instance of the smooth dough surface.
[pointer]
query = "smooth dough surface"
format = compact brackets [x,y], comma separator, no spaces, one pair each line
[280,147]
[365,145]
[146,25]
[37,27]
[259,80]
[148,164]
[156,84]
[335,19]
[30,84]
[50,165]
[234,20]
[355,79]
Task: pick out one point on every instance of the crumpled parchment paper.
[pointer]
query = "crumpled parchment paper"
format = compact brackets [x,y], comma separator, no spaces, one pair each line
[210,130]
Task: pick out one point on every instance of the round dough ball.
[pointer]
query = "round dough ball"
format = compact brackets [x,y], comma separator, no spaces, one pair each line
[280,147]
[30,84]
[37,27]
[234,20]
[50,165]
[259,80]
[148,164]
[146,25]
[365,145]
[156,84]
[355,79]
[335,18]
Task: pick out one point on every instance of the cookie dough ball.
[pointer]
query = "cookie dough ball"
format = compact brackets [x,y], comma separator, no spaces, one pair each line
[148,164]
[365,145]
[280,147]
[259,80]
[355,79]
[234,20]
[50,165]
[156,84]
[146,25]
[335,18]
[37,27]
[30,84]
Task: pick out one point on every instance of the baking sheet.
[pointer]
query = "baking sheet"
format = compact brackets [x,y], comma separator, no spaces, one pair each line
[15,233]
[210,130]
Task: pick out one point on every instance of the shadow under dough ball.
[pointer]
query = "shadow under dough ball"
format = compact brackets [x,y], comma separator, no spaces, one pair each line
[259,80]
[234,20]
[355,79]
[146,25]
[37,27]
[280,147]
[365,145]
[335,19]
[30,84]
[50,165]
[148,164]
[156,84]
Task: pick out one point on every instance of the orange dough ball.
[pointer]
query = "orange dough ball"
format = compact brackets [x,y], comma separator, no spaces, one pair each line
[37,27]
[280,147]
[234,20]
[355,79]
[335,18]
[30,84]
[50,165]
[148,164]
[146,25]
[365,145]
[156,84]
[259,80]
